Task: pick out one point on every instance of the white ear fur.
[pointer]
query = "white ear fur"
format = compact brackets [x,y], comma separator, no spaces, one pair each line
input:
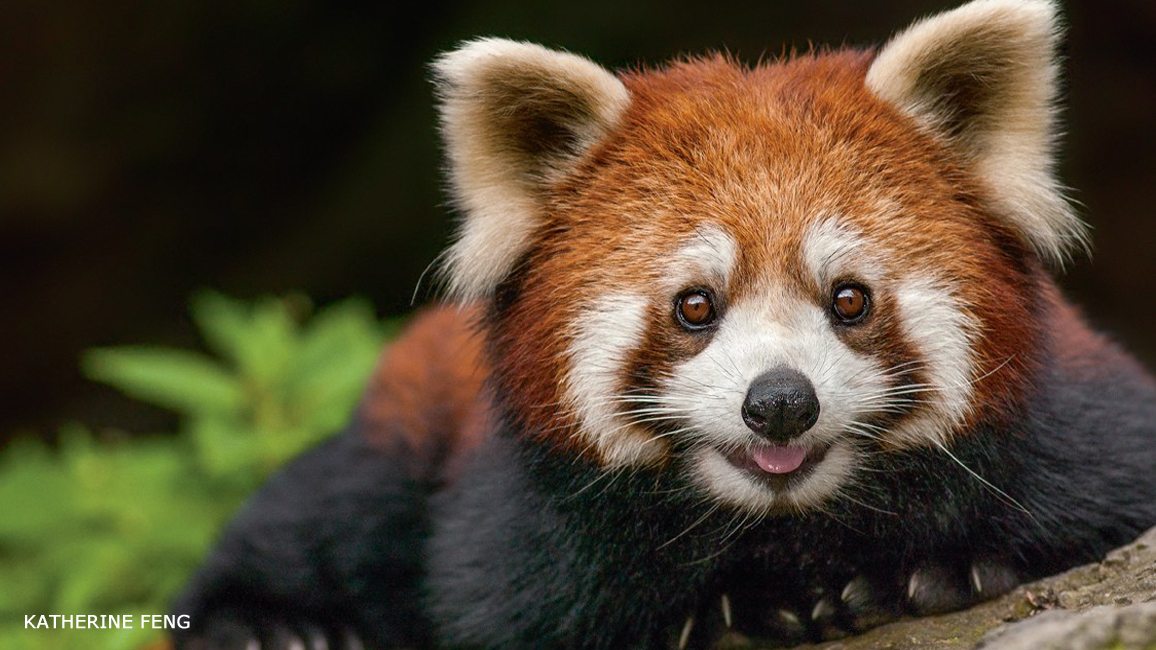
[513,116]
[984,76]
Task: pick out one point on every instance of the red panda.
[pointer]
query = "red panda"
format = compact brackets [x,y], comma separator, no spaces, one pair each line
[770,348]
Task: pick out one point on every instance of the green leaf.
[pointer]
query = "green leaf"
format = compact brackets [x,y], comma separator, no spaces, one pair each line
[268,342]
[338,352]
[118,525]
[226,452]
[223,322]
[37,497]
[186,382]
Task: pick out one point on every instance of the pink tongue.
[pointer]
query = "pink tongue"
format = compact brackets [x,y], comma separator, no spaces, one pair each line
[779,459]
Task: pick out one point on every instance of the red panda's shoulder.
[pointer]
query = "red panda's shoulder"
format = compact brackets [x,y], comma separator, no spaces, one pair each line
[1082,352]
[428,390]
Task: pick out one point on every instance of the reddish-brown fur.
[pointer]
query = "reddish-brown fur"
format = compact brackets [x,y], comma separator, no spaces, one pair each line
[428,390]
[763,152]
[1085,353]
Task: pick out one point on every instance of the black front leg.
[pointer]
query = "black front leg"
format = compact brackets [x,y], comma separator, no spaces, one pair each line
[522,558]
[327,552]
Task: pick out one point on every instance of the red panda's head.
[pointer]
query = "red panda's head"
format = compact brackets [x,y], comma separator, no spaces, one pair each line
[766,272]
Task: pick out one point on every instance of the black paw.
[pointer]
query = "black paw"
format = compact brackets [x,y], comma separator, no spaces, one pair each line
[822,615]
[780,616]
[869,600]
[932,588]
[939,588]
[232,629]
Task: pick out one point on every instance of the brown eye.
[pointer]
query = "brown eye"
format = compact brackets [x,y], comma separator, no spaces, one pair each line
[694,309]
[850,303]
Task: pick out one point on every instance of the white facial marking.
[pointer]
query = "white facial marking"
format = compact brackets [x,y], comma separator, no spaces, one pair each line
[708,256]
[943,334]
[773,328]
[774,325]
[831,250]
[733,487]
[601,341]
[599,344]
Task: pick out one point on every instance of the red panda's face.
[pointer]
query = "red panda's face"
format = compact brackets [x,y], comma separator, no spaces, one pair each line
[757,277]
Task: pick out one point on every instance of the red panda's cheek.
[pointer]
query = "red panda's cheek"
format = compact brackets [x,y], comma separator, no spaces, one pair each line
[941,331]
[603,340]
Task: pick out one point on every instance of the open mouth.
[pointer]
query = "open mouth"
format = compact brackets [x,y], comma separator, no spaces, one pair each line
[778,466]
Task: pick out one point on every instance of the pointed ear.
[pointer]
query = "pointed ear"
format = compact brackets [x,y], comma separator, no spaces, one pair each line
[514,116]
[983,76]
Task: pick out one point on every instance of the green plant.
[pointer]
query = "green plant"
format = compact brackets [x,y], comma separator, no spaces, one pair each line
[100,526]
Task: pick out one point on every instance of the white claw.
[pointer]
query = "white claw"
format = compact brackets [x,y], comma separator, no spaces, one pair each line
[253,644]
[684,638]
[853,589]
[975,579]
[913,586]
[789,617]
[726,609]
[822,609]
[296,643]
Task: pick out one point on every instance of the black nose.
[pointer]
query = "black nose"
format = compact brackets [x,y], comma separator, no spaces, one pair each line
[780,405]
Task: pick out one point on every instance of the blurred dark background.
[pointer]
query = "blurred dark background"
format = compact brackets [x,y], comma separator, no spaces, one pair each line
[148,149]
